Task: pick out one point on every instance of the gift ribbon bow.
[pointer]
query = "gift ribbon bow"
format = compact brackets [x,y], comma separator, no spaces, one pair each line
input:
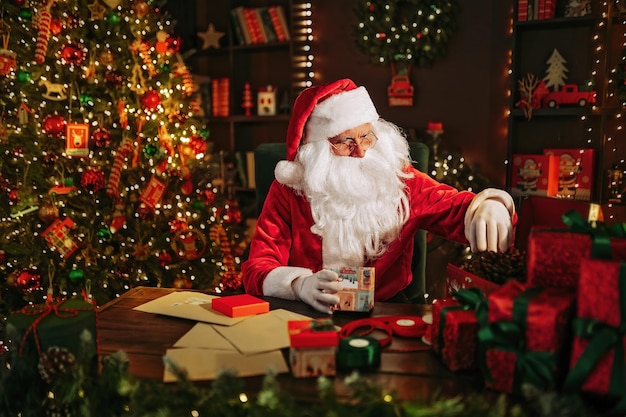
[603,338]
[600,233]
[44,311]
[534,367]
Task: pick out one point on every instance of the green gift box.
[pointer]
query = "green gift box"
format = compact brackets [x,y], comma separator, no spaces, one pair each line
[63,324]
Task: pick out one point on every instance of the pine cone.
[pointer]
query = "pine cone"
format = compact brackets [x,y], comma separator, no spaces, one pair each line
[55,362]
[498,267]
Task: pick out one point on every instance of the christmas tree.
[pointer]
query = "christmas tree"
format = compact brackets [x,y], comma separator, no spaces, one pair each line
[107,177]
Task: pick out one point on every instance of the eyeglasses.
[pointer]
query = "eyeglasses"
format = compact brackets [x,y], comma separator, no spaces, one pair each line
[345,146]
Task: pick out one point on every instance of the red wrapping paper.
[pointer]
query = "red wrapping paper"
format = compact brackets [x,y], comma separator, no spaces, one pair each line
[554,256]
[599,299]
[547,329]
[459,336]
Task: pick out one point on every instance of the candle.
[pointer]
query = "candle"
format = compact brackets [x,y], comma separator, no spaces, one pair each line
[435,126]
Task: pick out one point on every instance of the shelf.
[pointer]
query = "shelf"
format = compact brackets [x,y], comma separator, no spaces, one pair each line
[560,112]
[558,23]
[251,119]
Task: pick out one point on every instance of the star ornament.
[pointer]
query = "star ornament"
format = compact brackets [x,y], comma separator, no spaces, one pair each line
[97,11]
[210,38]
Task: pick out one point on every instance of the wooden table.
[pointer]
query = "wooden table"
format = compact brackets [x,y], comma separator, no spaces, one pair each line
[145,337]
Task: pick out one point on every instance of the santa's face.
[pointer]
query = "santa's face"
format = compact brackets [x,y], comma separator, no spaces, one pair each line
[354,142]
[356,191]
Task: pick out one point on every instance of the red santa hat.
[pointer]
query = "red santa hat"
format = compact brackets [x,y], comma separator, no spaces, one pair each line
[320,113]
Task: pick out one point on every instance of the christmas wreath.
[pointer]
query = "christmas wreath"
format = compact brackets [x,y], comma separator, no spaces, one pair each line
[413,32]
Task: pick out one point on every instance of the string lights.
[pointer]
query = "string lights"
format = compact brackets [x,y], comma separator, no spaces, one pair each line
[303,74]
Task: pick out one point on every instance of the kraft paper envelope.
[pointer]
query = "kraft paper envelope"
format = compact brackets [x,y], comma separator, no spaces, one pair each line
[204,336]
[188,305]
[261,333]
[205,364]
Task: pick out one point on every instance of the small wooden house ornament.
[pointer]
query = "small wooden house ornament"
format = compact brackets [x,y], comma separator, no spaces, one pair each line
[266,101]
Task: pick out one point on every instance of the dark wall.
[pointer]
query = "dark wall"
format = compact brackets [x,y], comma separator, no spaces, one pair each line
[467,90]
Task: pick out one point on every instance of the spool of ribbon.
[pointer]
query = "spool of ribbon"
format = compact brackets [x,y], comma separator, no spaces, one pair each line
[403,326]
[358,353]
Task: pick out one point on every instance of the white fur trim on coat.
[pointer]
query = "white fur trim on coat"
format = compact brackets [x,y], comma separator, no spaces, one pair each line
[289,172]
[278,282]
[339,113]
[488,194]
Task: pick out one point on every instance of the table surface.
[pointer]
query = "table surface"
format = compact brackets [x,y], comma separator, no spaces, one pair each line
[408,366]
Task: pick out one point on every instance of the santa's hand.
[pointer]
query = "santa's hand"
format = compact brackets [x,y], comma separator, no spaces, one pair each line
[318,290]
[489,221]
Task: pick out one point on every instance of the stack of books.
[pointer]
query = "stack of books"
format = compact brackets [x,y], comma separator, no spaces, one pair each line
[260,25]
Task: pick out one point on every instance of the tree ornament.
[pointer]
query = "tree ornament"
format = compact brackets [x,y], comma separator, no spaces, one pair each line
[24,76]
[177,225]
[161,45]
[56,26]
[189,244]
[233,212]
[125,148]
[101,137]
[145,212]
[54,125]
[104,233]
[165,259]
[26,13]
[107,57]
[150,100]
[77,140]
[173,44]
[197,145]
[141,8]
[48,212]
[28,279]
[43,22]
[54,91]
[150,150]
[8,61]
[413,32]
[114,79]
[114,18]
[92,179]
[58,237]
[210,37]
[55,363]
[76,275]
[97,11]
[73,54]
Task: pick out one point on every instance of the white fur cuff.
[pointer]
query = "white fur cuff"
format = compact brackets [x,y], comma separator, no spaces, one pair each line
[278,282]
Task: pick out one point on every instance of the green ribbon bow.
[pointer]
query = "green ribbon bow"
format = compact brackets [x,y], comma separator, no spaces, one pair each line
[600,233]
[603,338]
[534,367]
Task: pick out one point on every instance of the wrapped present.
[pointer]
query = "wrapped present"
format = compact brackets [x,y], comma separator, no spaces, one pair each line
[576,172]
[313,347]
[240,305]
[358,288]
[554,255]
[533,174]
[598,361]
[527,336]
[454,330]
[61,324]
[458,278]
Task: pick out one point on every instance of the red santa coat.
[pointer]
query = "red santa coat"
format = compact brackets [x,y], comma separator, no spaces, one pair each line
[283,234]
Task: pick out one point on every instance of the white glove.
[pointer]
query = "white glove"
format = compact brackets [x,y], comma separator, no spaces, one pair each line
[489,228]
[318,289]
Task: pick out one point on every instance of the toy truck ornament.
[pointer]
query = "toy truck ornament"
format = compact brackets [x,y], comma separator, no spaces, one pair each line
[568,94]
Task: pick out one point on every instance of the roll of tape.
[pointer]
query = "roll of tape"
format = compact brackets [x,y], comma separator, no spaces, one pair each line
[408,326]
[358,353]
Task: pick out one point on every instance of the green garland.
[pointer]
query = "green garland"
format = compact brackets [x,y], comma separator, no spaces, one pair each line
[413,32]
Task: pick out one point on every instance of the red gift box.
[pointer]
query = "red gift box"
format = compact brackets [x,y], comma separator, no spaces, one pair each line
[313,348]
[534,175]
[601,315]
[554,256]
[240,305]
[529,332]
[454,334]
[576,169]
[458,278]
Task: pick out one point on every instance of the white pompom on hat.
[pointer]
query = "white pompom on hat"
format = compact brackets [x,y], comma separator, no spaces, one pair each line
[320,113]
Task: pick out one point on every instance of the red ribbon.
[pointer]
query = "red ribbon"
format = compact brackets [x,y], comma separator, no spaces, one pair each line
[403,326]
[43,311]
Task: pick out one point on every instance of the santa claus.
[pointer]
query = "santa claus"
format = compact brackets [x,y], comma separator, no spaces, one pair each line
[348,196]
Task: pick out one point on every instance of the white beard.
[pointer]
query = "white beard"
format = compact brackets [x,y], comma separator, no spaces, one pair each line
[359,205]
